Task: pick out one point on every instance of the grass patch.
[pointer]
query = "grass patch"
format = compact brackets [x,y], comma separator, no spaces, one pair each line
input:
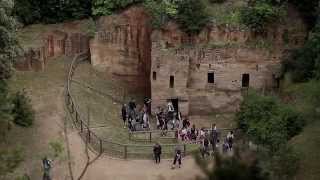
[308,144]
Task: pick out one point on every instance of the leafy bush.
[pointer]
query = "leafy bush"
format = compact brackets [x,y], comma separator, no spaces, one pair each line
[268,122]
[107,7]
[22,110]
[8,41]
[161,11]
[27,11]
[5,109]
[260,15]
[57,148]
[191,16]
[51,11]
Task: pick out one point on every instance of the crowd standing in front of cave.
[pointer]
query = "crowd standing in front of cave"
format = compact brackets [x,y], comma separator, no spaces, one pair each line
[169,119]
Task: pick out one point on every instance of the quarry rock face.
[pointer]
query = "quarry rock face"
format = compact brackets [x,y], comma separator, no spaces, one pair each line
[210,72]
[54,44]
[122,47]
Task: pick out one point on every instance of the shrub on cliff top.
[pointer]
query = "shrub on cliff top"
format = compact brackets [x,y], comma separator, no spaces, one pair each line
[259,14]
[107,7]
[191,16]
[161,11]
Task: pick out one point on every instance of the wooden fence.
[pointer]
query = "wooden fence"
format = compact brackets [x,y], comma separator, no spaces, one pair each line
[100,145]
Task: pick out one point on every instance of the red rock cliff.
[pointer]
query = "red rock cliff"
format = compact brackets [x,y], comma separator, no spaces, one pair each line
[122,47]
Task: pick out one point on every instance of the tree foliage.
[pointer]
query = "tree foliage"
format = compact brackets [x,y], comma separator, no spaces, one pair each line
[51,11]
[5,109]
[107,7]
[304,64]
[308,9]
[268,122]
[22,110]
[8,41]
[161,11]
[191,16]
[258,15]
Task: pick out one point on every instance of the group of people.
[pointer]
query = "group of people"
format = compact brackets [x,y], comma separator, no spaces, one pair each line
[170,119]
[134,119]
[211,140]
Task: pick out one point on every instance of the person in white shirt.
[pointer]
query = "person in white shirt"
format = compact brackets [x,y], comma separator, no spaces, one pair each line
[230,137]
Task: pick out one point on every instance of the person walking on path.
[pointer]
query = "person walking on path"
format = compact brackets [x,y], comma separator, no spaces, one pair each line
[46,163]
[177,158]
[157,152]
[124,114]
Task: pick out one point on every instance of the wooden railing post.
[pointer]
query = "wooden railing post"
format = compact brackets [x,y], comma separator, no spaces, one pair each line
[101,151]
[150,136]
[125,155]
[184,149]
[76,116]
[72,107]
[81,126]
[89,135]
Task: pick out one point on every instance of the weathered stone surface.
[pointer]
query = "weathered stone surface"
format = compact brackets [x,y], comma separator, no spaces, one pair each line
[54,44]
[122,47]
[224,51]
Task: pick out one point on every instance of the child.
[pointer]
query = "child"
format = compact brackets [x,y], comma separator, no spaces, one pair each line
[177,158]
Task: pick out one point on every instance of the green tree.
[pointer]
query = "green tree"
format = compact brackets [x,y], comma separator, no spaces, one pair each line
[27,11]
[22,110]
[191,16]
[8,41]
[5,110]
[161,11]
[258,15]
[267,121]
[107,7]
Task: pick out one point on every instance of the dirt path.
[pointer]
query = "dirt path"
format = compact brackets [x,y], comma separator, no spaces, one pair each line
[116,169]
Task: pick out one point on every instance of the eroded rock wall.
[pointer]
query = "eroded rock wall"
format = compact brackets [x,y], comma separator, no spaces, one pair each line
[229,53]
[122,47]
[54,44]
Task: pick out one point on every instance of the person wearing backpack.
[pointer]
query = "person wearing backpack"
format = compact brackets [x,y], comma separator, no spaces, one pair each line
[177,158]
[46,163]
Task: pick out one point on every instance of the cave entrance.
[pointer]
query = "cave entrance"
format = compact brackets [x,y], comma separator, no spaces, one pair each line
[245,80]
[175,103]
